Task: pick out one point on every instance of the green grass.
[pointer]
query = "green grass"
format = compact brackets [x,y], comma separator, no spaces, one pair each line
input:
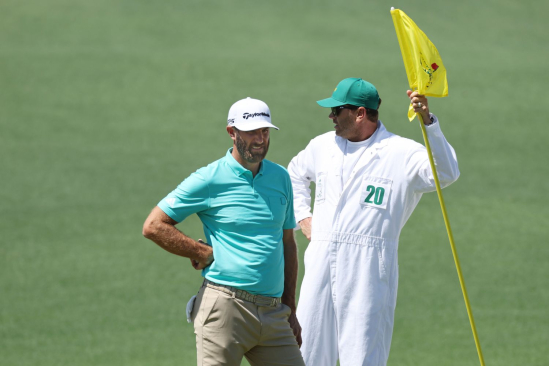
[106,106]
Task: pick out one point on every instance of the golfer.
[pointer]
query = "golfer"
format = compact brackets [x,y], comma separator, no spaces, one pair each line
[368,182]
[246,305]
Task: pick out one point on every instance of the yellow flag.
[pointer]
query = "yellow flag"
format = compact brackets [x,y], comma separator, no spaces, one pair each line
[424,68]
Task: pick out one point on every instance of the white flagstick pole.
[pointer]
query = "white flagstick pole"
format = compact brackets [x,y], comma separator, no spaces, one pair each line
[451,237]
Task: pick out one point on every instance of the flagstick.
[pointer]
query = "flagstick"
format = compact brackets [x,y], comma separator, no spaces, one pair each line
[451,237]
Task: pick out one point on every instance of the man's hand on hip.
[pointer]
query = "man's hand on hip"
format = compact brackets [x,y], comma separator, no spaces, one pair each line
[305,226]
[199,265]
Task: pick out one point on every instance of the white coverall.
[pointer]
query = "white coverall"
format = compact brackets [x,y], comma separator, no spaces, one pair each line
[348,295]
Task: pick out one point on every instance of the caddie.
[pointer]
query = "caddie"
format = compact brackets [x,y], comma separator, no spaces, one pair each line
[368,182]
[246,305]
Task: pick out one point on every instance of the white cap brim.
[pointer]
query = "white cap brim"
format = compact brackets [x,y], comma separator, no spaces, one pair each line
[250,126]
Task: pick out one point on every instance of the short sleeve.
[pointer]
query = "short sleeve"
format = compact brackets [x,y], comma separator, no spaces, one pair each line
[289,222]
[191,196]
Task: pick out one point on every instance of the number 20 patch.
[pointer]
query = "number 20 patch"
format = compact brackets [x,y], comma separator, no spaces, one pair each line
[375,192]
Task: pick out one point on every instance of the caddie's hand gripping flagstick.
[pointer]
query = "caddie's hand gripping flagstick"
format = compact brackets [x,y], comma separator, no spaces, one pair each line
[427,75]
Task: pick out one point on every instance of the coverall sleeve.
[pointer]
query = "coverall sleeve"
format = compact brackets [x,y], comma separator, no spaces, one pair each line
[302,173]
[419,169]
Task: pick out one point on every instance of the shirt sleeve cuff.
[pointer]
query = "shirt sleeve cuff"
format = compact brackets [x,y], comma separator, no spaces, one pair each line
[434,120]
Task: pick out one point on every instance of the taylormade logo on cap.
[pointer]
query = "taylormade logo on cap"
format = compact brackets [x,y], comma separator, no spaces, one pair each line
[250,114]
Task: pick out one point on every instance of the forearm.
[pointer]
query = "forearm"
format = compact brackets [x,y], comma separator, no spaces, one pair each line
[169,238]
[290,270]
[160,228]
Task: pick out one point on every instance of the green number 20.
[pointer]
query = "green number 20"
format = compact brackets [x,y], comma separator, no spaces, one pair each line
[377,193]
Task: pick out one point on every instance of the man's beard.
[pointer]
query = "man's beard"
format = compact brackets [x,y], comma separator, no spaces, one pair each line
[246,151]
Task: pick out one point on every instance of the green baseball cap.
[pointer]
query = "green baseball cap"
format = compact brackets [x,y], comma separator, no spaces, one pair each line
[353,91]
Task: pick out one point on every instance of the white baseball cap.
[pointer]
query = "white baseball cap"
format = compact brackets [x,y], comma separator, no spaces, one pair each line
[250,114]
[232,112]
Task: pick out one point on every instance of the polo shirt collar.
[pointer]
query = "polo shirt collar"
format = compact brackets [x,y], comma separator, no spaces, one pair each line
[236,167]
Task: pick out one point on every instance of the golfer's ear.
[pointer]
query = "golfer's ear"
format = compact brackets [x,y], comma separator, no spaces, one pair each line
[230,130]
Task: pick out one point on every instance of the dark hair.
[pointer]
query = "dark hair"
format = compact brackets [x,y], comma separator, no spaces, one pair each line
[373,114]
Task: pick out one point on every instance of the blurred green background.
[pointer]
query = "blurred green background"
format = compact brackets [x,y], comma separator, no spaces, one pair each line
[105,106]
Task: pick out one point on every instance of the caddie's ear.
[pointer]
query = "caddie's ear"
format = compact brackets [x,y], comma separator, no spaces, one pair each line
[361,114]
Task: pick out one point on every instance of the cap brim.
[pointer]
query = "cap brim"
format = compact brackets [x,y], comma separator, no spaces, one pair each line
[250,126]
[329,103]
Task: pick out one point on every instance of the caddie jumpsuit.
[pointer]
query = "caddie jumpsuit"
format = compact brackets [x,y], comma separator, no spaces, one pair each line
[348,295]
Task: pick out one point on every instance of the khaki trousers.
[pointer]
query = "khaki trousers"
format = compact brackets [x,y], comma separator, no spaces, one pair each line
[228,329]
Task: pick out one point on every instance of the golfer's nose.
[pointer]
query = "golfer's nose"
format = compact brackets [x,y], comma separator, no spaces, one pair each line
[258,137]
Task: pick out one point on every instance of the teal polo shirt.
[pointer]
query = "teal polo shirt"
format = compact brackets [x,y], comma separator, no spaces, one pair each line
[243,218]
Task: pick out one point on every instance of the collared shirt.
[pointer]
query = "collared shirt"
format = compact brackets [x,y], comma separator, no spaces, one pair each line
[243,217]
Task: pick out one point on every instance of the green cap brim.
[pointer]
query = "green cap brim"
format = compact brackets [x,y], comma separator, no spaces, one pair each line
[329,103]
